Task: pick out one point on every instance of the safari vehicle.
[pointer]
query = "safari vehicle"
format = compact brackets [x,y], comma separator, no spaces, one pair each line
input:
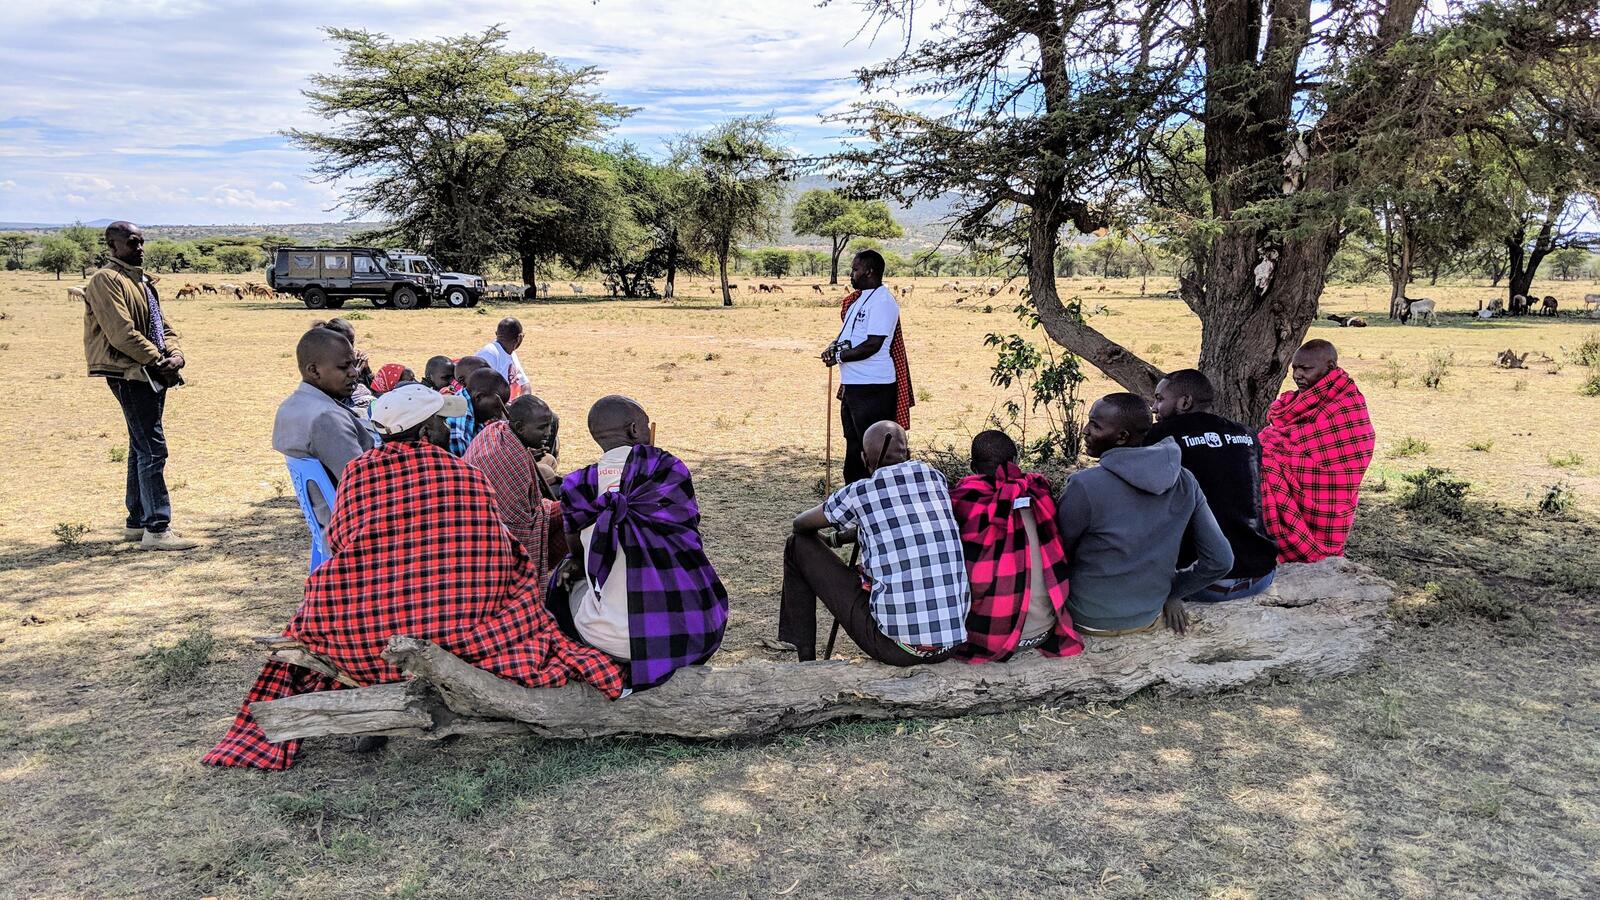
[325,277]
[458,288]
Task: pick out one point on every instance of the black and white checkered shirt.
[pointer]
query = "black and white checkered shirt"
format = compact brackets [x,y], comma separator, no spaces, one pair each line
[911,549]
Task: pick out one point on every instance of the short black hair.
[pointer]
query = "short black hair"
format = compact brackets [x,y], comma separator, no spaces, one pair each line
[341,326]
[1194,384]
[874,261]
[319,345]
[1130,413]
[992,449]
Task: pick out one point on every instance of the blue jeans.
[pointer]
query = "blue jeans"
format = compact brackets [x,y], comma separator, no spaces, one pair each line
[149,507]
[1233,589]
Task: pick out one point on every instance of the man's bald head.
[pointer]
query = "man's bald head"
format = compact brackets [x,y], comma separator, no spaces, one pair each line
[327,362]
[126,241]
[884,444]
[1116,420]
[1312,363]
[618,421]
[509,333]
[533,422]
[490,393]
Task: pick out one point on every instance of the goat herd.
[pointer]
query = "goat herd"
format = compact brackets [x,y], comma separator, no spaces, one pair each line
[1424,309]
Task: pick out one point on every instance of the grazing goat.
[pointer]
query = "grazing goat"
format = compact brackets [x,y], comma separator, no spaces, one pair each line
[764,288]
[1592,301]
[1422,307]
[187,291]
[208,289]
[1520,305]
[1550,307]
[777,289]
[816,288]
[77,292]
[910,289]
[949,286]
[229,287]
[576,287]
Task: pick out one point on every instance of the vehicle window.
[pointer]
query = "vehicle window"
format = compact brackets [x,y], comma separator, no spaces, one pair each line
[365,265]
[304,261]
[335,261]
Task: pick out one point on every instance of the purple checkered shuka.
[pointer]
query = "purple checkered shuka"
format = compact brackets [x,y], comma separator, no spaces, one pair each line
[677,607]
[158,329]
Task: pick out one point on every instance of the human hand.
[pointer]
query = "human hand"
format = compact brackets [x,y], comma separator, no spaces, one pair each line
[1177,618]
[175,361]
[830,357]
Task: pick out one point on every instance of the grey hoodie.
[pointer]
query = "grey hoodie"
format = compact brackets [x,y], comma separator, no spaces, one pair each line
[1122,523]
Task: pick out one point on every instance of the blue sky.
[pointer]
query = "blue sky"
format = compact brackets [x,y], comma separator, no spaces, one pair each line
[168,112]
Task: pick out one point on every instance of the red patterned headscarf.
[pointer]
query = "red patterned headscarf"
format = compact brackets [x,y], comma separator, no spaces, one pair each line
[387,378]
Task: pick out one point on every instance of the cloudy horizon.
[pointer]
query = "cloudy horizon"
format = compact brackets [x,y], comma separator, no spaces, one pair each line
[172,113]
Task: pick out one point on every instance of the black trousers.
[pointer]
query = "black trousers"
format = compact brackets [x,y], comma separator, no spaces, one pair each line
[864,405]
[149,507]
[812,572]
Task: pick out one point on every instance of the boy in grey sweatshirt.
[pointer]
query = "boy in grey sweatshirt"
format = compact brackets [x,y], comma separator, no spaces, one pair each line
[1123,521]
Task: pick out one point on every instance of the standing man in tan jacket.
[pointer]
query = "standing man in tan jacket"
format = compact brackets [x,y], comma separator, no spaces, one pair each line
[128,342]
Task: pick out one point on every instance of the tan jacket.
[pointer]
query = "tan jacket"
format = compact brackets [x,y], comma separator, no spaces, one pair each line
[116,322]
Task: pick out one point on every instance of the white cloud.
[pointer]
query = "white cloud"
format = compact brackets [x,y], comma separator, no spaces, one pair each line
[8,185]
[192,133]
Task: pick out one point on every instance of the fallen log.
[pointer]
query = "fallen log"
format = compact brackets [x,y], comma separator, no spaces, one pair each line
[1317,621]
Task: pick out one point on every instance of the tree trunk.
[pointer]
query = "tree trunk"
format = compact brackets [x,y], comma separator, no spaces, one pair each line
[1399,265]
[1317,621]
[838,248]
[530,273]
[722,273]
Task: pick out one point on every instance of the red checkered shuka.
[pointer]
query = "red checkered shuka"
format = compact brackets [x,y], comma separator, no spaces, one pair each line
[1314,451]
[904,397]
[416,548]
[995,544]
[510,468]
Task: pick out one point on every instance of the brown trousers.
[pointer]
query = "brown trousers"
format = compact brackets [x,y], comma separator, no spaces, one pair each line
[812,572]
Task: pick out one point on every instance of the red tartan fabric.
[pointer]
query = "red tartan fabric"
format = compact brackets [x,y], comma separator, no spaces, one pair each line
[416,548]
[995,544]
[510,468]
[1316,447]
[904,398]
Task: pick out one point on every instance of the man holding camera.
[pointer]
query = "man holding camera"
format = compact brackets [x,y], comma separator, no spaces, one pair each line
[128,342]
[875,381]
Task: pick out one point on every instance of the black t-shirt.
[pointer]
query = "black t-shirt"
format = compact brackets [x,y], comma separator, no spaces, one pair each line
[1225,458]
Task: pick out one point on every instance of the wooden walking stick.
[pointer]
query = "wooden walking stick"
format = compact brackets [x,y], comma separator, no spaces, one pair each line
[827,423]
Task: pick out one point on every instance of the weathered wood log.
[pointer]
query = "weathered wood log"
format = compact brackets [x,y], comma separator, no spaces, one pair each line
[1317,621]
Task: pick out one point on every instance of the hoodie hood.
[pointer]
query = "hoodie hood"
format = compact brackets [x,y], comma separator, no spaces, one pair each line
[1152,469]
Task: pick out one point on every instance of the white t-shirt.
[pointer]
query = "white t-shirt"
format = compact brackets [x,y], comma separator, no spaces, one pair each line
[507,364]
[874,312]
[602,617]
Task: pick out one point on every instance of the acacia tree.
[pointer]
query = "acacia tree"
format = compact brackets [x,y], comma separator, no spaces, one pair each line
[1038,114]
[58,254]
[735,187]
[830,214]
[440,136]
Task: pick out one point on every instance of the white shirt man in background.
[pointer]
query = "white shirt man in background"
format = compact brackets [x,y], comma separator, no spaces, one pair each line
[866,368]
[501,355]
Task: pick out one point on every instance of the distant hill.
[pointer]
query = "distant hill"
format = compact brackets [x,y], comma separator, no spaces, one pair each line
[922,221]
[310,232]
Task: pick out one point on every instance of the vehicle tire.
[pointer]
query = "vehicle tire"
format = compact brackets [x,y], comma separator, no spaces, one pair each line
[336,302]
[424,302]
[406,298]
[458,298]
[474,300]
[315,298]
[381,302]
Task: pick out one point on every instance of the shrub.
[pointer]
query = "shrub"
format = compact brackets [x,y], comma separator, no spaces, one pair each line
[1557,499]
[1483,446]
[1591,384]
[1586,353]
[1409,446]
[1432,492]
[117,454]
[167,666]
[1567,460]
[1394,373]
[69,534]
[1454,599]
[1439,364]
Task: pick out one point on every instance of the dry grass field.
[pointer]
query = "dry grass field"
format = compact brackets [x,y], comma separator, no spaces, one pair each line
[1466,762]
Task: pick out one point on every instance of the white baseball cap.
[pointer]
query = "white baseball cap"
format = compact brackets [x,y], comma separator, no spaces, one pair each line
[409,405]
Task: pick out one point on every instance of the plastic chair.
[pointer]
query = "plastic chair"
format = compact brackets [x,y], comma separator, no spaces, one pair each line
[302,471]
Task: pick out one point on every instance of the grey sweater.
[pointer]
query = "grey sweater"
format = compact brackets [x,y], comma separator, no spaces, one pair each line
[1122,523]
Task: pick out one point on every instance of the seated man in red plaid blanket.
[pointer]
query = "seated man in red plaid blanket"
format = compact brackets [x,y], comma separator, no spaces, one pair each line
[1314,451]
[1014,558]
[508,451]
[399,567]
